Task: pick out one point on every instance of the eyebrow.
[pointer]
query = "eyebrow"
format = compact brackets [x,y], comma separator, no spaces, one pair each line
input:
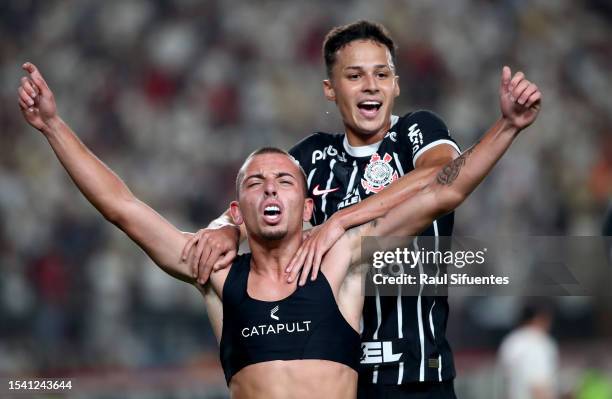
[261,176]
[359,68]
[284,174]
[255,176]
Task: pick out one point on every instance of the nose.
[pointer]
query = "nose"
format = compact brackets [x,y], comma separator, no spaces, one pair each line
[370,85]
[270,188]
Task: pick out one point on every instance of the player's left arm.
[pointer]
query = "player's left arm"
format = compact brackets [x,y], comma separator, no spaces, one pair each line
[444,189]
[434,158]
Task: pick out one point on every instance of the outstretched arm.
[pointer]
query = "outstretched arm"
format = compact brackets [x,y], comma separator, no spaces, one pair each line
[515,93]
[441,191]
[103,189]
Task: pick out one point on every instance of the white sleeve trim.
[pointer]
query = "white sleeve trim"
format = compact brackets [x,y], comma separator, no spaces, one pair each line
[432,145]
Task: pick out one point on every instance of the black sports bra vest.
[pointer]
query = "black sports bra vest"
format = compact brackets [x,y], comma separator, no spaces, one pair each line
[305,325]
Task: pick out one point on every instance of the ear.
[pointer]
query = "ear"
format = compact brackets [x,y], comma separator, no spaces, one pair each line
[328,90]
[396,90]
[235,213]
[308,207]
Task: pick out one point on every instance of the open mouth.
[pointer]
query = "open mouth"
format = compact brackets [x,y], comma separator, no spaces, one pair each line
[369,108]
[272,214]
[272,210]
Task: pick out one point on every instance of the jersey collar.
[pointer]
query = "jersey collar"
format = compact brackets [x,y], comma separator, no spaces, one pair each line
[365,150]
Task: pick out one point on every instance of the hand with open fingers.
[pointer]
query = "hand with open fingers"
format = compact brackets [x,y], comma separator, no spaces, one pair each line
[520,100]
[307,259]
[36,99]
[211,249]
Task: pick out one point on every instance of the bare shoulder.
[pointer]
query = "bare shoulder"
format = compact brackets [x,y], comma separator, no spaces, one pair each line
[217,279]
[212,292]
[337,261]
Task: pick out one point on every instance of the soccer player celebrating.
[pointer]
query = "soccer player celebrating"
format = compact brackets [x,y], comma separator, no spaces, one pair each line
[277,340]
[361,175]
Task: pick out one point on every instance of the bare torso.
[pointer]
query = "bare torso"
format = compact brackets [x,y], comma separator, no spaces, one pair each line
[295,379]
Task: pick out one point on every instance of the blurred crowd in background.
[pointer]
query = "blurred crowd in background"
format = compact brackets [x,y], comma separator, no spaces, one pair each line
[174,94]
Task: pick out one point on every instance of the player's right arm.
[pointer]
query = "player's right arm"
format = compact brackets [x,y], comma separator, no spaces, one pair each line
[99,184]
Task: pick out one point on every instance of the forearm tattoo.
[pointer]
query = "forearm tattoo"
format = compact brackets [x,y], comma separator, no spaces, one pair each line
[451,170]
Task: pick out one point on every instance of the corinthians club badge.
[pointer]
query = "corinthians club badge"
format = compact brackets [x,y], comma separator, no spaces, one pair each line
[378,174]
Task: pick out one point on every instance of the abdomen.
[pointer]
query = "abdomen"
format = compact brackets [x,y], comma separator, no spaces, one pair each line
[295,379]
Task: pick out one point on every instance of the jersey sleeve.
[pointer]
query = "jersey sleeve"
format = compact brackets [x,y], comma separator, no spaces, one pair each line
[423,130]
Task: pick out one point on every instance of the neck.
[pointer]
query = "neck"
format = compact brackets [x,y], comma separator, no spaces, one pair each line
[358,139]
[271,258]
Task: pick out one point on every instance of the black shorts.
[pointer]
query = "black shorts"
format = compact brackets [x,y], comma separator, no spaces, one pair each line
[416,390]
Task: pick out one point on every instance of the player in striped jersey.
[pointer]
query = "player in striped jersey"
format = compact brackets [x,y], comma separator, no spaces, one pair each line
[405,349]
[403,338]
[399,340]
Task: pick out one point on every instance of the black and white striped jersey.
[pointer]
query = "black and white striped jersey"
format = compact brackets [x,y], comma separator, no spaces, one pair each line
[403,337]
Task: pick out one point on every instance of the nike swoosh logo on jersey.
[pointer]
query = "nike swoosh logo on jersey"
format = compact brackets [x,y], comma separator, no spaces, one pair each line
[317,191]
